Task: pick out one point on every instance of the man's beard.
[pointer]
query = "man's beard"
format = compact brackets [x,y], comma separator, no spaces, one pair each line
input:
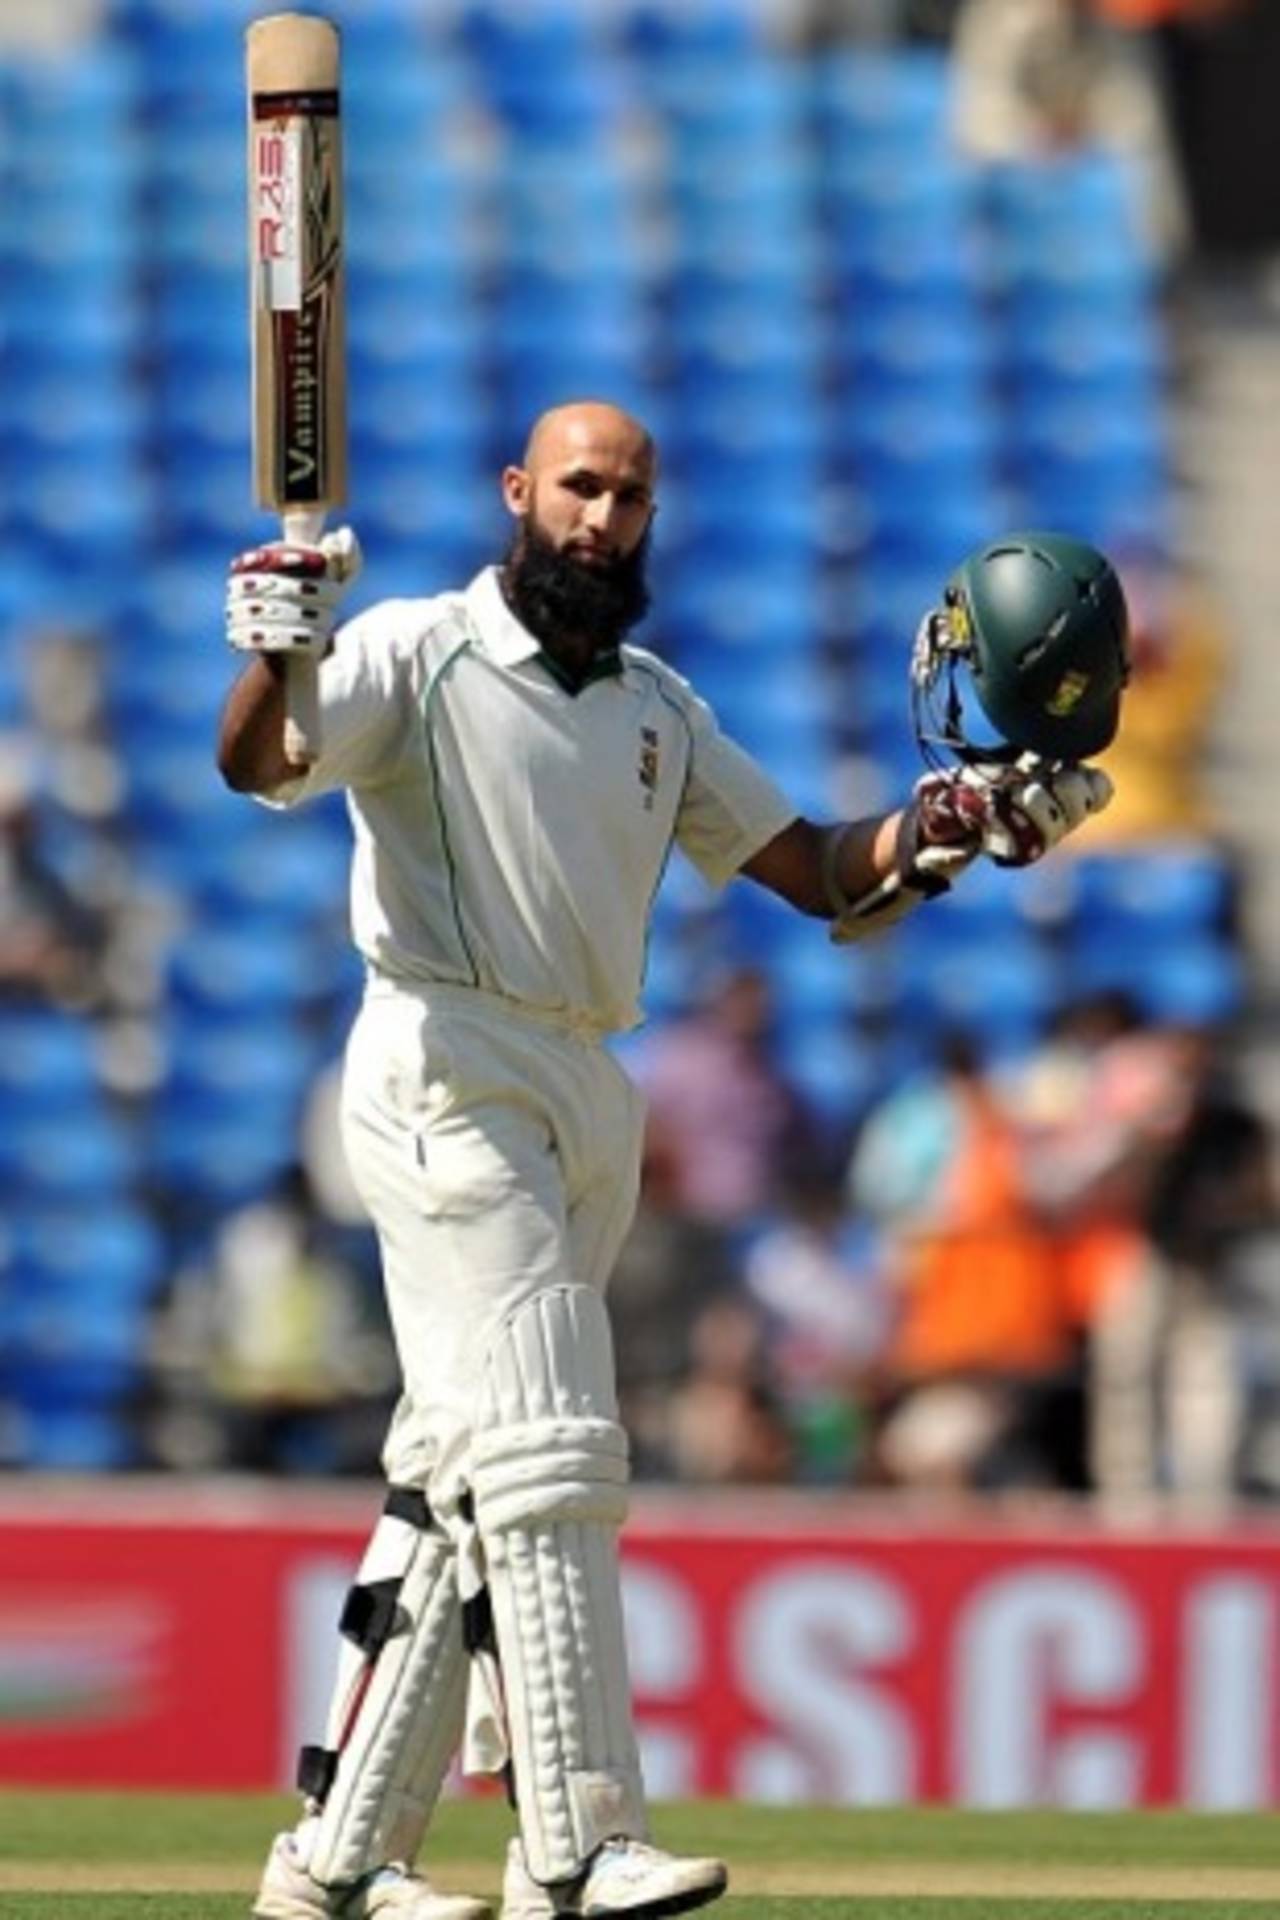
[560,600]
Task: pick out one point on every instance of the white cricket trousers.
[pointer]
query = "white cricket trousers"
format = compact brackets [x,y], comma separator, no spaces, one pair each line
[498,1154]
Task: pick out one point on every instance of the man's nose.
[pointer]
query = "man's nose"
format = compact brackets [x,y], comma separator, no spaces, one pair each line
[599,512]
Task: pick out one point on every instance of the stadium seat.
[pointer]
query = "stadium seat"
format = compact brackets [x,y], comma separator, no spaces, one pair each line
[658,31]
[999,994]
[882,102]
[225,971]
[117,1253]
[834,1068]
[1166,890]
[87,1161]
[46,1056]
[79,1440]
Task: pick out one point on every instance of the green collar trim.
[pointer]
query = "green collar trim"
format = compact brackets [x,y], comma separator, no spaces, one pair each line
[605,666]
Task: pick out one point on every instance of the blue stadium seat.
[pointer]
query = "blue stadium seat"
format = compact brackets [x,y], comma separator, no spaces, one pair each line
[70,1350]
[200,310]
[755,98]
[910,351]
[48,326]
[175,792]
[1001,995]
[897,447]
[876,101]
[1069,225]
[1095,195]
[773,609]
[79,1440]
[235,1072]
[46,1159]
[658,31]
[293,871]
[47,1060]
[224,971]
[217,1161]
[54,413]
[719,436]
[82,521]
[894,531]
[705,183]
[1195,980]
[94,88]
[835,1069]
[502,34]
[116,1253]
[1169,891]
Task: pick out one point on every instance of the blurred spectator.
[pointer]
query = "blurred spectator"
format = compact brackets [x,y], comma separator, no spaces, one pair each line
[1215,1218]
[83,789]
[669,1269]
[817,1275]
[721,1108]
[1157,762]
[66,699]
[983,1358]
[51,943]
[1220,61]
[276,1357]
[725,1425]
[1101,1109]
[1034,78]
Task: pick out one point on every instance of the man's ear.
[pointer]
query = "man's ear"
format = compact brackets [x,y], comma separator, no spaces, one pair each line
[516,490]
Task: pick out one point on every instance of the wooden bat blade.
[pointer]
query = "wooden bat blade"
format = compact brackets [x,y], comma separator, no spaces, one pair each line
[296,255]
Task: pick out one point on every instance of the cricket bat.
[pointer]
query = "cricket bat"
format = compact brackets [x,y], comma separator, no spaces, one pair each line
[297,307]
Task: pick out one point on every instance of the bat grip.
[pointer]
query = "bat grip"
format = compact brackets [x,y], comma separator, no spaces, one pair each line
[302,526]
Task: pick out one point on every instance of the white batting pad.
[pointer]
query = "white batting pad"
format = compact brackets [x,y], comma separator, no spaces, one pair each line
[549,1480]
[397,1709]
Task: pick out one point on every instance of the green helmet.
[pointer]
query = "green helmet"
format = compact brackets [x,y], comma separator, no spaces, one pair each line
[1039,621]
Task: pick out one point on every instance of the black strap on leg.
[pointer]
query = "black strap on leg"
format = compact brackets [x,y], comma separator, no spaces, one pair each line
[409,1503]
[316,1768]
[371,1614]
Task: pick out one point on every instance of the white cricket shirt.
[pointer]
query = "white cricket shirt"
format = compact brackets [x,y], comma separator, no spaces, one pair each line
[511,835]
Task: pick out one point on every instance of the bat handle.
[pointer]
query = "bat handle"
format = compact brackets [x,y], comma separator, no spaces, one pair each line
[302,526]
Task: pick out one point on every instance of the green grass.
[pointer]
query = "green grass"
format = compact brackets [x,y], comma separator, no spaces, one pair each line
[79,1906]
[44,1832]
[233,1827]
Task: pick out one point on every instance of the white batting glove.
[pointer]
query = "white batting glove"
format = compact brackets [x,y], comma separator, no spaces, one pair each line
[951,819]
[1031,806]
[283,598]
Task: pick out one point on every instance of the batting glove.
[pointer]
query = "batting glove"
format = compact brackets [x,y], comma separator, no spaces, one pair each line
[1032,806]
[949,820]
[283,598]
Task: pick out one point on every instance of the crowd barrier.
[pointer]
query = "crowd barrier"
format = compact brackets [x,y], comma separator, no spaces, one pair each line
[783,1647]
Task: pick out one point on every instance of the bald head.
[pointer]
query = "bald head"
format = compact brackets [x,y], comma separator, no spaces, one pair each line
[583,503]
[583,428]
[586,485]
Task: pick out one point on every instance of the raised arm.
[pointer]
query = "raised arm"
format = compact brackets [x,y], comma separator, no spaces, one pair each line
[281,599]
[864,874]
[251,755]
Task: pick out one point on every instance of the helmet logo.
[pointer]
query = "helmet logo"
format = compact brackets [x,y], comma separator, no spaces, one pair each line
[1068,693]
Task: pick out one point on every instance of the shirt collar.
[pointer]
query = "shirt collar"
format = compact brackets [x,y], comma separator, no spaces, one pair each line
[511,644]
[502,634]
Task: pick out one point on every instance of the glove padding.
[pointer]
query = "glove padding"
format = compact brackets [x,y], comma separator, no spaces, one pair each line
[1031,806]
[948,819]
[283,598]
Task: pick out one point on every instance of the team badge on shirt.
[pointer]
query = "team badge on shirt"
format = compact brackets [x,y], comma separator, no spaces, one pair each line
[647,770]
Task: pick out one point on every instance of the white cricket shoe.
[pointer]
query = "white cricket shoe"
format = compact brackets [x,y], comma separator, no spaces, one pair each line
[622,1877]
[288,1892]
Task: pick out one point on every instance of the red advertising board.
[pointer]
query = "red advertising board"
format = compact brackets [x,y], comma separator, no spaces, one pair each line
[789,1649]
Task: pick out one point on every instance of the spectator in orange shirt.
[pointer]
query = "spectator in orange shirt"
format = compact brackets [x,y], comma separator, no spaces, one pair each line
[984,1347]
